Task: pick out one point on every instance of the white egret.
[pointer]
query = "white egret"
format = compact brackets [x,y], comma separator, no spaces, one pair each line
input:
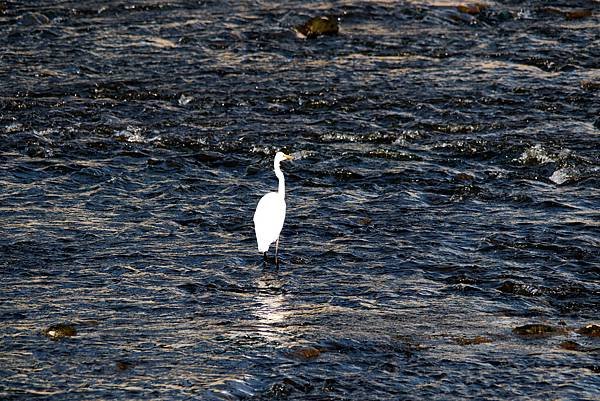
[270,212]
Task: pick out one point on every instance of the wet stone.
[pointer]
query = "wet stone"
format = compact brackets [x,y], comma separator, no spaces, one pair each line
[578,14]
[591,330]
[473,341]
[570,14]
[463,177]
[306,353]
[365,221]
[551,10]
[471,9]
[318,26]
[60,331]
[590,85]
[123,365]
[570,346]
[537,330]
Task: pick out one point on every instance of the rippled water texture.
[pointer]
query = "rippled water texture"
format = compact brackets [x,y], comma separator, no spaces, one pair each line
[445,194]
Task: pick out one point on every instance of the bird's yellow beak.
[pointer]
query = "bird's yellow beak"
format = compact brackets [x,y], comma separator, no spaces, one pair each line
[288,157]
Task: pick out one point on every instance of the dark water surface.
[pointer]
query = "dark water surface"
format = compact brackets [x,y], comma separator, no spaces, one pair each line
[445,192]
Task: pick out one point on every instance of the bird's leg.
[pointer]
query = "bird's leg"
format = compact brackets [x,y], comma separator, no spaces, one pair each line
[277,252]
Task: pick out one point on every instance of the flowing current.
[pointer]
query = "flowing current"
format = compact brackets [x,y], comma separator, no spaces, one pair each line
[442,235]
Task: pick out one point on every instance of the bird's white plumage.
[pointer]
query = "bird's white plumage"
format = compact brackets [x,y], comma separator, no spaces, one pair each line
[268,219]
[270,211]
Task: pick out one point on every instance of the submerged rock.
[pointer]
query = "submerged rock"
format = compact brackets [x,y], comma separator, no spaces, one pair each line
[59,331]
[123,365]
[590,85]
[537,330]
[591,330]
[306,353]
[463,177]
[317,26]
[578,14]
[569,14]
[365,221]
[570,346]
[473,341]
[472,9]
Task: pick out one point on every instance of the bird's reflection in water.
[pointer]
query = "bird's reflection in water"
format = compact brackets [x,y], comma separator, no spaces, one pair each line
[270,309]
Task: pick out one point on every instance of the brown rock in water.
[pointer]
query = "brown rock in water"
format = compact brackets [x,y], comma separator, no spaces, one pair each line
[473,341]
[317,26]
[570,346]
[463,177]
[590,85]
[551,10]
[59,331]
[591,330]
[365,221]
[471,9]
[568,14]
[306,353]
[537,330]
[123,365]
[578,14]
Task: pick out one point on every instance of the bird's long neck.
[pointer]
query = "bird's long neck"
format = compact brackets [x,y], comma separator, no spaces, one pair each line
[279,174]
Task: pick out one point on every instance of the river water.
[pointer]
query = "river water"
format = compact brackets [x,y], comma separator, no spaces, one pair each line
[444,194]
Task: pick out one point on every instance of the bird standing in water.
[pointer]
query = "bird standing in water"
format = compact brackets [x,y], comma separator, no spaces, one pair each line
[270,213]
